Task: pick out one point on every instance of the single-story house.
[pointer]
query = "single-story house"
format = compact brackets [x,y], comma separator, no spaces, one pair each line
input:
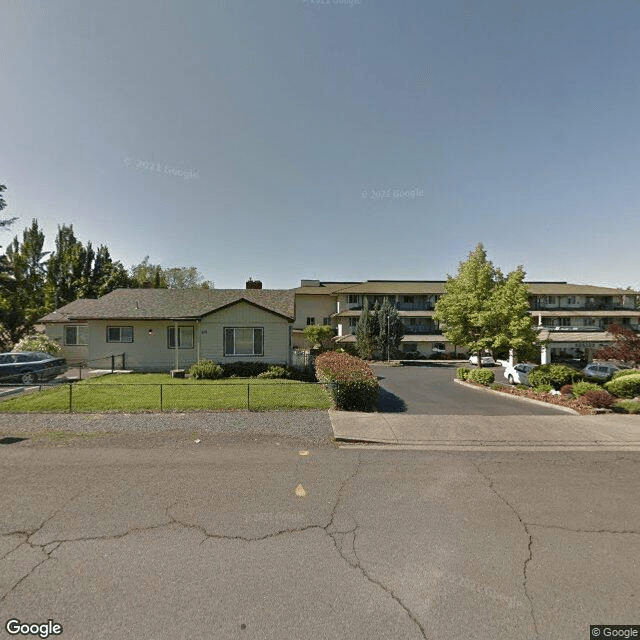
[162,329]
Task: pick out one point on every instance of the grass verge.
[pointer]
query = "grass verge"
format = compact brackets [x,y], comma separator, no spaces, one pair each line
[150,391]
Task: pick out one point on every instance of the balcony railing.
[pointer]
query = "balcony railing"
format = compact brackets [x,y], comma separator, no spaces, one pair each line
[421,329]
[414,306]
[583,307]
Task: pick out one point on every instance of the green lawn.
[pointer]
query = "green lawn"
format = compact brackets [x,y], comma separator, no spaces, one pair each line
[143,392]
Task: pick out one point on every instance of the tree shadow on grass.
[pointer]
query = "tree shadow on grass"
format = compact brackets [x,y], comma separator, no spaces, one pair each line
[389,402]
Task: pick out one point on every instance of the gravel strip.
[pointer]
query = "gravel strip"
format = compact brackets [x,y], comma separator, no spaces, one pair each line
[312,426]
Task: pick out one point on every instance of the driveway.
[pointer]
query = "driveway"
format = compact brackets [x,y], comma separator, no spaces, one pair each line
[430,391]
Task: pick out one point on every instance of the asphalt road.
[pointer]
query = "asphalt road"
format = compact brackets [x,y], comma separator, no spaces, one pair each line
[430,391]
[154,536]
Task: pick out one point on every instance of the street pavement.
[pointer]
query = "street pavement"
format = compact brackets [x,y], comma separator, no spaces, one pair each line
[154,536]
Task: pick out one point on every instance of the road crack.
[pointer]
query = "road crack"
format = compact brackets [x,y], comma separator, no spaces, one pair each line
[529,557]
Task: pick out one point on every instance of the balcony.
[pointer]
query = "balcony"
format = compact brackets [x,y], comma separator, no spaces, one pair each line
[420,329]
[414,306]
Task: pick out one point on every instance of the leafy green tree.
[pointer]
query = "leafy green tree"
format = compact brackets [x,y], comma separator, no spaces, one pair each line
[146,272]
[186,278]
[512,323]
[482,310]
[390,331]
[318,336]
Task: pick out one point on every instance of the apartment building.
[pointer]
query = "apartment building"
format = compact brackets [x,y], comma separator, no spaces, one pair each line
[572,317]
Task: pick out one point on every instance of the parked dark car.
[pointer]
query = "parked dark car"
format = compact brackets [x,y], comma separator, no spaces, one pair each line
[30,366]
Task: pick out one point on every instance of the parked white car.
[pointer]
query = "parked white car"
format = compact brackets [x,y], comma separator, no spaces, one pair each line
[519,373]
[487,361]
[600,371]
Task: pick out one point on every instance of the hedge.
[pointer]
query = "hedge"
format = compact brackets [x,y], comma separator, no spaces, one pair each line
[557,375]
[580,388]
[483,376]
[462,373]
[352,384]
[625,372]
[625,386]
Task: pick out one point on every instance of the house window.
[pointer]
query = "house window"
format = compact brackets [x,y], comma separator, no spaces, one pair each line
[185,337]
[243,341]
[76,335]
[119,334]
[311,320]
[353,298]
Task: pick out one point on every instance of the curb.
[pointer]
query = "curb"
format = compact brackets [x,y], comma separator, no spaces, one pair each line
[521,398]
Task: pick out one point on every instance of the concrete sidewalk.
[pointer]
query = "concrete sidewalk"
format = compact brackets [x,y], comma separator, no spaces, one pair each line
[610,432]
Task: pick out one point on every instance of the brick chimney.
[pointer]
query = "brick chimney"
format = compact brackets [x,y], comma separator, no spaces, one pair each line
[254,284]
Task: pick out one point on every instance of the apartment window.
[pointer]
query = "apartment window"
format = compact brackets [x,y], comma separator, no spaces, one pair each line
[589,322]
[243,341]
[571,299]
[354,298]
[326,320]
[407,299]
[119,334]
[311,320]
[185,337]
[353,322]
[551,299]
[75,335]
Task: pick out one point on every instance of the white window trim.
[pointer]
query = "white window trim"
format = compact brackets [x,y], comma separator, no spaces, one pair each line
[120,328]
[76,327]
[241,355]
[180,326]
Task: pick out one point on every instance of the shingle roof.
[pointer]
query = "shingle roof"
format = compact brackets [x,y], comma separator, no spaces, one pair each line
[391,287]
[325,288]
[160,304]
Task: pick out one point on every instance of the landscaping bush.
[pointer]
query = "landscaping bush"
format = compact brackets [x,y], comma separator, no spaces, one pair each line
[276,371]
[625,372]
[462,373]
[352,384]
[600,399]
[206,370]
[627,406]
[557,375]
[495,386]
[543,388]
[566,390]
[580,388]
[38,342]
[522,387]
[624,386]
[244,369]
[482,376]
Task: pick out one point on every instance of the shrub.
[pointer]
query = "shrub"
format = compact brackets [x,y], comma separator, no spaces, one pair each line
[462,373]
[557,375]
[352,384]
[625,372]
[206,370]
[580,388]
[522,387]
[244,369]
[38,342]
[495,386]
[566,390]
[543,388]
[600,398]
[625,386]
[276,371]
[483,376]
[627,406]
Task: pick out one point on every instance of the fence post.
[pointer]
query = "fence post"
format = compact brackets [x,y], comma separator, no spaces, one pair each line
[160,397]
[80,369]
[123,367]
[70,397]
[113,362]
[248,406]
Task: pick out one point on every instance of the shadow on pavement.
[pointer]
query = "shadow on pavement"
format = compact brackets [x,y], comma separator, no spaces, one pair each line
[11,440]
[390,403]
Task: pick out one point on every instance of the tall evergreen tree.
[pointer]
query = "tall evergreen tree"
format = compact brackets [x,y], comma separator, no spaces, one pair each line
[389,330]
[66,266]
[364,338]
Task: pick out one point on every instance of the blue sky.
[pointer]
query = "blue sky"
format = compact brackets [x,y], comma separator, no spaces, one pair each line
[289,139]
